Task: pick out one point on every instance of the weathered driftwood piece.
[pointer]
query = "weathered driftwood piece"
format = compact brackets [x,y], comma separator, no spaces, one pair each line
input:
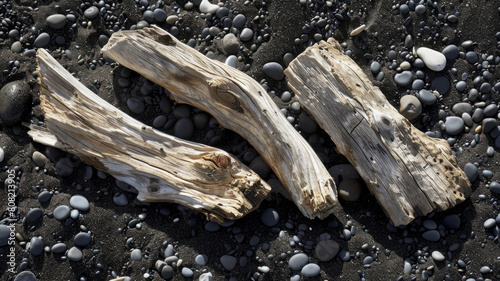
[408,172]
[237,101]
[161,167]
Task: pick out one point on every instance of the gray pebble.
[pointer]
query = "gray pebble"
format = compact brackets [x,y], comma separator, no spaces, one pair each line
[426,97]
[15,102]
[246,34]
[429,224]
[490,151]
[485,88]
[75,214]
[36,246]
[410,107]
[489,223]
[123,82]
[326,250]
[495,132]
[286,96]
[431,235]
[160,15]
[82,239]
[404,78]
[454,125]
[79,202]
[212,226]
[231,44]
[367,260]
[375,67]
[307,124]
[451,52]
[74,254]
[169,251]
[91,12]
[478,115]
[39,159]
[187,273]
[460,86]
[136,255]
[260,166]
[59,248]
[201,260]
[467,119]
[34,214]
[4,235]
[485,269]
[310,270]
[184,129]
[471,57]
[42,40]
[495,187]
[490,110]
[287,58]
[61,213]
[16,47]
[487,174]
[420,9]
[452,221]
[120,199]
[136,105]
[228,262]
[437,256]
[350,190]
[172,19]
[56,21]
[25,276]
[239,21]
[274,70]
[64,167]
[270,217]
[159,121]
[488,125]
[103,40]
[298,261]
[417,84]
[232,61]
[441,84]
[345,256]
[44,196]
[471,172]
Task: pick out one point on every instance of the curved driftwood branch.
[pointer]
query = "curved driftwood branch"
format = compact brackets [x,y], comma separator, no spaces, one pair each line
[408,172]
[163,168]
[237,101]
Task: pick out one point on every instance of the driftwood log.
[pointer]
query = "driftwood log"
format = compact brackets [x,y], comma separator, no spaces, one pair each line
[238,103]
[408,172]
[161,167]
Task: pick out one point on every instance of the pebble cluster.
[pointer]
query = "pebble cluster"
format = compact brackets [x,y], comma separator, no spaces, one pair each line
[428,63]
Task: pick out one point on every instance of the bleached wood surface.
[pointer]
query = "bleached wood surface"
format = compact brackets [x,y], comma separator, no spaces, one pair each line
[238,103]
[408,172]
[161,167]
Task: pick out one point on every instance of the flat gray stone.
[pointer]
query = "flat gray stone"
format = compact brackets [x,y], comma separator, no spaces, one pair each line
[404,78]
[471,172]
[34,214]
[79,202]
[270,217]
[471,57]
[274,70]
[454,125]
[74,254]
[410,107]
[298,261]
[59,248]
[426,97]
[375,67]
[239,21]
[201,259]
[64,167]
[326,250]
[42,40]
[451,52]
[120,199]
[452,221]
[431,235]
[260,166]
[246,34]
[61,212]
[489,223]
[310,270]
[82,239]
[228,262]
[187,272]
[136,105]
[437,256]
[350,190]
[44,196]
[39,159]
[307,124]
[136,255]
[25,276]
[184,129]
[232,61]
[345,256]
[91,12]
[56,21]
[441,84]
[36,246]
[488,125]
[495,187]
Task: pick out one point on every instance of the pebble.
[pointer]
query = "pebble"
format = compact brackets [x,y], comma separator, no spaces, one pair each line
[136,105]
[56,21]
[62,212]
[270,217]
[489,223]
[2,154]
[39,159]
[44,196]
[404,78]
[201,259]
[451,52]
[36,246]
[34,214]
[298,261]
[461,107]
[358,30]
[103,40]
[4,235]
[82,239]
[454,125]
[274,70]
[79,202]
[437,256]
[410,107]
[260,166]
[375,67]
[136,255]
[16,47]
[488,124]
[326,250]
[310,270]
[169,251]
[495,187]
[206,277]
[230,44]
[15,102]
[64,167]
[160,15]
[59,248]
[207,7]
[307,124]
[184,129]
[431,235]
[75,254]
[187,273]
[228,262]
[434,60]
[25,276]
[350,190]
[441,84]
[485,269]
[246,34]
[91,12]
[420,9]
[345,256]
[471,172]
[460,86]
[120,199]
[42,40]
[471,57]
[452,221]
[426,97]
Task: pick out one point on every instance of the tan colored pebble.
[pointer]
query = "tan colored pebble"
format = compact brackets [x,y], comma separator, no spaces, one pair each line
[358,30]
[172,19]
[479,129]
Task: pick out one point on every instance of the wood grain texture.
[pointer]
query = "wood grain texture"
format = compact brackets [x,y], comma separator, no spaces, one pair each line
[161,167]
[408,172]
[238,102]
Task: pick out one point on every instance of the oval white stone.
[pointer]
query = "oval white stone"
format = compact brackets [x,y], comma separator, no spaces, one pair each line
[434,60]
[207,7]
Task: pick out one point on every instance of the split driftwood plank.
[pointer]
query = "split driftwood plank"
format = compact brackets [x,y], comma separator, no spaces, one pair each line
[408,172]
[238,102]
[161,167]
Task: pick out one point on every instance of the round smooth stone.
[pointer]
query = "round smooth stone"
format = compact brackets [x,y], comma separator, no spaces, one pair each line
[490,110]
[42,40]
[184,129]
[367,260]
[345,256]
[169,251]
[426,97]
[488,125]
[270,217]
[136,105]
[201,260]
[82,239]
[307,124]
[212,226]
[461,85]
[39,159]
[56,21]
[246,34]
[375,67]
[4,235]
[44,196]
[91,12]
[74,254]
[451,52]
[2,154]
[75,214]
[310,270]
[239,21]
[62,212]
[182,111]
[286,96]
[431,235]
[487,173]
[15,102]
[410,107]
[471,57]
[418,84]
[326,250]
[274,70]
[228,262]
[103,40]
[207,7]
[420,9]
[25,276]
[495,187]
[434,60]
[298,261]
[34,214]
[120,199]
[136,255]
[485,269]
[471,172]
[404,78]
[159,121]
[437,256]
[429,224]
[231,44]
[200,120]
[489,223]
[260,166]
[452,221]
[160,15]
[485,88]
[454,125]
[36,246]
[64,167]
[59,248]
[441,84]
[16,47]
[79,202]
[187,273]
[350,190]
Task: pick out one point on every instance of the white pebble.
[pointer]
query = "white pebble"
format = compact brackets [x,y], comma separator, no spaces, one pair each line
[438,256]
[358,30]
[2,154]
[263,269]
[207,7]
[434,60]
